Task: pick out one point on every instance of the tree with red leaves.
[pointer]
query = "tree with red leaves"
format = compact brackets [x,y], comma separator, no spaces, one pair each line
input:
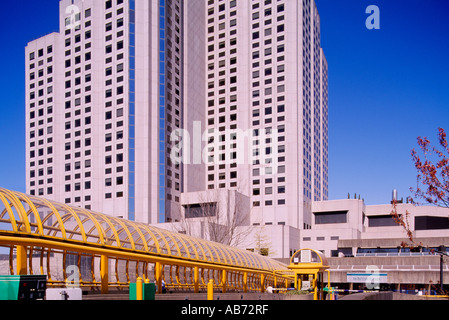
[432,181]
[432,186]
[403,221]
[433,171]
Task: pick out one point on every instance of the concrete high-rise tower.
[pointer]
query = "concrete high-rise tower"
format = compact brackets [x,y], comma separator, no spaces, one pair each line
[246,81]
[267,76]
[101,96]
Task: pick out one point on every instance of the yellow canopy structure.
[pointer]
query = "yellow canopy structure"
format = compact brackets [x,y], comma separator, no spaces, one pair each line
[33,224]
[309,266]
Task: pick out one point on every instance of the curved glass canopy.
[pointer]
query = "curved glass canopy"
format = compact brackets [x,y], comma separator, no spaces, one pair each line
[309,257]
[26,214]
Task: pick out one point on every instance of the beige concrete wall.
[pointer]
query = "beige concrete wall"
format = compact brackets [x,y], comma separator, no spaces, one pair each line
[403,270]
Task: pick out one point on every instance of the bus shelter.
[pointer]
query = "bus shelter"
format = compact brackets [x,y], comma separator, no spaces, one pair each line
[309,266]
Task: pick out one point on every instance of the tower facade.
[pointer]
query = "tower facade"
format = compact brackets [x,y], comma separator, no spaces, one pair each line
[267,81]
[241,86]
[101,96]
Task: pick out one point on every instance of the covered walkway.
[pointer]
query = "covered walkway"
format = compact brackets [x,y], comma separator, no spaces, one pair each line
[74,246]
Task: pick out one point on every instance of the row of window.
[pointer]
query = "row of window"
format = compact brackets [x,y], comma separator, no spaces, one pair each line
[268,190]
[307,121]
[109,92]
[222,103]
[233,79]
[268,83]
[41,149]
[85,141]
[40,53]
[333,238]
[74,167]
[173,86]
[268,203]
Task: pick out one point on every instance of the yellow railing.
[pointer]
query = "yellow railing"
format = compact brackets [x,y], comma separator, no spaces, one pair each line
[97,251]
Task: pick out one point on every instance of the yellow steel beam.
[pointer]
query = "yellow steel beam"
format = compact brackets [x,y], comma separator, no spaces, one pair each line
[262,282]
[165,234]
[211,256]
[191,245]
[186,249]
[74,231]
[21,254]
[149,232]
[30,261]
[10,213]
[155,231]
[15,202]
[36,215]
[78,221]
[210,290]
[97,225]
[245,282]
[177,274]
[197,246]
[224,280]
[124,228]
[196,284]
[111,228]
[56,214]
[139,232]
[104,273]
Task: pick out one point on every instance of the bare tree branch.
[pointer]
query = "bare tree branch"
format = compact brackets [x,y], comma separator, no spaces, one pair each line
[221,216]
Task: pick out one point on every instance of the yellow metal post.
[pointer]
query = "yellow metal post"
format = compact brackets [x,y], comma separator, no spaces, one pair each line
[158,276]
[21,253]
[139,289]
[210,290]
[224,280]
[245,282]
[297,282]
[315,287]
[262,282]
[104,274]
[196,280]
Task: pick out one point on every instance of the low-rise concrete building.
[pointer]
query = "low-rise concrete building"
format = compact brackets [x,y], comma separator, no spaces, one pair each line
[359,239]
[366,245]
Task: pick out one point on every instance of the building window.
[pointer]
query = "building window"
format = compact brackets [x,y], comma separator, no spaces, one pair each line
[331,217]
[430,223]
[381,221]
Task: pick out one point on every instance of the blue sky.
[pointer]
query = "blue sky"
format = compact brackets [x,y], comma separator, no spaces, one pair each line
[20,22]
[386,87]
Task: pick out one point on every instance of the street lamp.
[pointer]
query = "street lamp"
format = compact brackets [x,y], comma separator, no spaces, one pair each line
[442,252]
